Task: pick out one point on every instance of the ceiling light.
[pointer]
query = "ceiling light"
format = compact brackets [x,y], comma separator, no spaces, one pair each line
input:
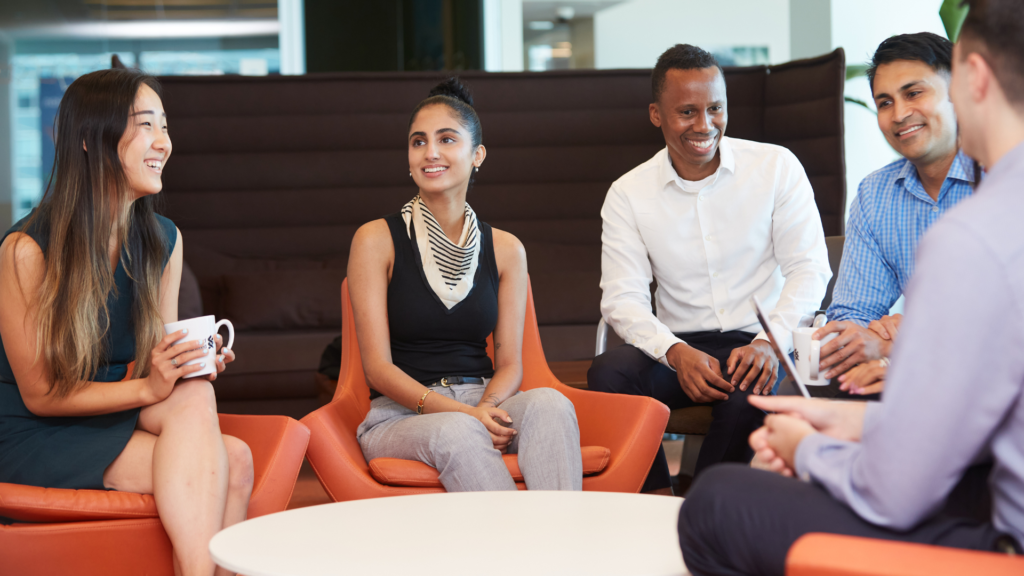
[151,29]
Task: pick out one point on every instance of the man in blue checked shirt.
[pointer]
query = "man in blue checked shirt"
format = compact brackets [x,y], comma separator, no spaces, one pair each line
[909,77]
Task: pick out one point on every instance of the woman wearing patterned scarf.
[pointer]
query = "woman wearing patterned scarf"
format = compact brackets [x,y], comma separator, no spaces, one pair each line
[428,285]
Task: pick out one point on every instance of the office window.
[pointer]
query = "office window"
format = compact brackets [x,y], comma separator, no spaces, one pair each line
[40,79]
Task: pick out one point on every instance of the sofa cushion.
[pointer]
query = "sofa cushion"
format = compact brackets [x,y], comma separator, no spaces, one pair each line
[270,351]
[190,302]
[213,269]
[399,472]
[566,281]
[283,300]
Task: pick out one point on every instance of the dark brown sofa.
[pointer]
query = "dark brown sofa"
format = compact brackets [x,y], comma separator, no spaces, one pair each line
[270,178]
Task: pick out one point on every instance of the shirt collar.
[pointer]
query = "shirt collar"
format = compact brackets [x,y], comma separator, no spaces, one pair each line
[961,169]
[727,161]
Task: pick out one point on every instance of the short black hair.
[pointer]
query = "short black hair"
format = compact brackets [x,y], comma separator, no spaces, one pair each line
[932,49]
[995,29]
[680,57]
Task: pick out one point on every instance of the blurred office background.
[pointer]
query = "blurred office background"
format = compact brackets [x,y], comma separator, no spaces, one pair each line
[46,44]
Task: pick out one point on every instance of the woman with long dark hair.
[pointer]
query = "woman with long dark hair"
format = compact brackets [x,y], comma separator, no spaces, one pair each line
[428,285]
[93,395]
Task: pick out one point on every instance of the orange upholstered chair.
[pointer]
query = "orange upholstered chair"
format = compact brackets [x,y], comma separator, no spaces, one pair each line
[100,533]
[833,555]
[619,434]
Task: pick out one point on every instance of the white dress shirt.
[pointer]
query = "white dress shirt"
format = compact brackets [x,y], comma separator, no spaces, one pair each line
[752,228]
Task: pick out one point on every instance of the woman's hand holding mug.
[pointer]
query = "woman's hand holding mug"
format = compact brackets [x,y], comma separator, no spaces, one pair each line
[204,328]
[168,364]
[225,355]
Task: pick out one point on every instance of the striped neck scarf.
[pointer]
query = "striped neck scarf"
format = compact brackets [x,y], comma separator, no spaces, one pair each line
[449,267]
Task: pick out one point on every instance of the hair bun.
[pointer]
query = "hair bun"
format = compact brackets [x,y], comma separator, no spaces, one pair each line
[452,88]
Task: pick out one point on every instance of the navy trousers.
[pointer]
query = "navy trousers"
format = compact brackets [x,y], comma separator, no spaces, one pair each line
[627,370]
[738,520]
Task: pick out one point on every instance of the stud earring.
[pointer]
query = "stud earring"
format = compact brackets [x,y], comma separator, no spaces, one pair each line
[410,174]
[476,168]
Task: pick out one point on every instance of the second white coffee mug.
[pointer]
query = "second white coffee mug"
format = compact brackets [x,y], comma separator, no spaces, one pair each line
[807,353]
[203,328]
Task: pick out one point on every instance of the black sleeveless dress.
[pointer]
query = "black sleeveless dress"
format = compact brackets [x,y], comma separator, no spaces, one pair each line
[429,341]
[72,452]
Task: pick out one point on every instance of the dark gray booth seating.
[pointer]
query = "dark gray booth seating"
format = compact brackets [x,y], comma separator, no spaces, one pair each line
[271,176]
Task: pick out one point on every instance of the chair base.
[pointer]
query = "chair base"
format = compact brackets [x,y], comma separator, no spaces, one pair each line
[104,548]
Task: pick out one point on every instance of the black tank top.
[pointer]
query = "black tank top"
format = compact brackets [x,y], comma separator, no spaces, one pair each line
[429,341]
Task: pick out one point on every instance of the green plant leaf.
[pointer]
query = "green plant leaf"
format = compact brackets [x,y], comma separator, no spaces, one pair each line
[952,14]
[856,70]
[860,102]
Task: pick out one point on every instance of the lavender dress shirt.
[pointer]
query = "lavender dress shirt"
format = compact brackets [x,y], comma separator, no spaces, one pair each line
[954,392]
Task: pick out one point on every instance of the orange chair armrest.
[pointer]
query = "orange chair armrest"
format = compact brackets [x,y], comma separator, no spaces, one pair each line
[278,444]
[834,555]
[613,419]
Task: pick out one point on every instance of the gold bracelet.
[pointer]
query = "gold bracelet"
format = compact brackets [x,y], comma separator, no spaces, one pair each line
[419,407]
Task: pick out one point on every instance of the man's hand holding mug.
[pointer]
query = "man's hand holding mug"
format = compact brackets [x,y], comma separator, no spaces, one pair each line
[854,345]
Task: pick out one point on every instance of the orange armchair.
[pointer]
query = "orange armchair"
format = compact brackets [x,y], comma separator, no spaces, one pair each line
[834,555]
[100,533]
[620,434]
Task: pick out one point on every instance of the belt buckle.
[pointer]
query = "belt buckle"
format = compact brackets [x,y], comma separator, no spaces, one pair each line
[444,383]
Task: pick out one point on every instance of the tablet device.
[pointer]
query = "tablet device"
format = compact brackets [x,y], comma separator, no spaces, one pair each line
[791,385]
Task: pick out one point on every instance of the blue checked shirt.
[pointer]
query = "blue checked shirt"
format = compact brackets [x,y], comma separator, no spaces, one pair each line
[888,217]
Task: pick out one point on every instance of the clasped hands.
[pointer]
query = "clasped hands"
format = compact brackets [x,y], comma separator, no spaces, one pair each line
[701,378]
[776,442]
[855,354]
[497,422]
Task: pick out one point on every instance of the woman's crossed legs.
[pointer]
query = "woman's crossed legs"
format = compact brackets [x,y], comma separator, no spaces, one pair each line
[201,479]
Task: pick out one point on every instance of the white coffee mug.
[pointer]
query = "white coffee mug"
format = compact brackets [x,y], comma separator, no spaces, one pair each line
[807,353]
[202,328]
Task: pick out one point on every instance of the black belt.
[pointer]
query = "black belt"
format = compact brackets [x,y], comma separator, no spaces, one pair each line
[452,380]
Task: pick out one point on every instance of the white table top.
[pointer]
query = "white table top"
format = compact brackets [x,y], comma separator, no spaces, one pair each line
[471,533]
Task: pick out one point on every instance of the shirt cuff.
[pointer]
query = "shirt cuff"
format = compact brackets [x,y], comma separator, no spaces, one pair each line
[658,346]
[785,339]
[806,451]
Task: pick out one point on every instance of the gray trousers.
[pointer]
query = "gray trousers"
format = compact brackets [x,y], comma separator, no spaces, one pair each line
[460,447]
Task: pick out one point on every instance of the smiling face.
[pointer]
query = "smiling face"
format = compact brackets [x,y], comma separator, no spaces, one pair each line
[692,115]
[915,113]
[441,151]
[145,146]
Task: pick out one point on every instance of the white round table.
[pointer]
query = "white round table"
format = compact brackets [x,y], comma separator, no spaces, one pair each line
[471,533]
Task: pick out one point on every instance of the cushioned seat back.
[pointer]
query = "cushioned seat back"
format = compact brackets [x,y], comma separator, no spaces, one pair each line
[352,385]
[835,246]
[271,176]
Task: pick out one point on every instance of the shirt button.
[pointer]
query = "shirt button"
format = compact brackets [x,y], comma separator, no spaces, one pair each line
[708,237]
[715,275]
[657,351]
[721,310]
[935,208]
[701,198]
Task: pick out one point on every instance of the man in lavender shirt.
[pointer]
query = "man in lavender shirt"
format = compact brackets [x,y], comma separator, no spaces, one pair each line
[955,394]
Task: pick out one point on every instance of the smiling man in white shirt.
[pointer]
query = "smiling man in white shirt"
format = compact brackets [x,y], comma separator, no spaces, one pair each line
[714,221]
